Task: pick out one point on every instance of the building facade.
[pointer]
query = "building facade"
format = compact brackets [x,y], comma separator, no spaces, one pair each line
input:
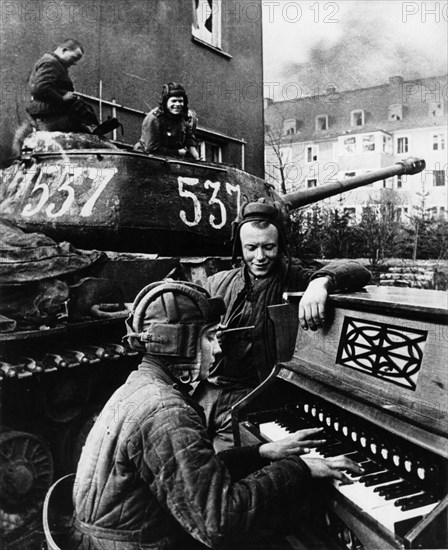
[133,47]
[335,135]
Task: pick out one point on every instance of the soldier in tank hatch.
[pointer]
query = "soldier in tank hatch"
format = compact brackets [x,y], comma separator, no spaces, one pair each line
[149,477]
[261,236]
[169,128]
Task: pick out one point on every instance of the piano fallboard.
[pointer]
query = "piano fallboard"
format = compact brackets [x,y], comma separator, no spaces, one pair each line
[375,379]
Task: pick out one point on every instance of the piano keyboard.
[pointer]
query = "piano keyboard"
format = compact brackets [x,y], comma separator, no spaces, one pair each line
[384,495]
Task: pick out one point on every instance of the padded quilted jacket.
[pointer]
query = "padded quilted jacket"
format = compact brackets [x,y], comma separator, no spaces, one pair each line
[148,474]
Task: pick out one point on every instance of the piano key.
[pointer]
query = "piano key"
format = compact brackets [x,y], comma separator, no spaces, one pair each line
[390,515]
[368,468]
[373,480]
[400,492]
[418,501]
[273,431]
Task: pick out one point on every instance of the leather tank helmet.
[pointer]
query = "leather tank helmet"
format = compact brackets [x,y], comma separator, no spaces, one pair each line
[167,319]
[273,212]
[173,89]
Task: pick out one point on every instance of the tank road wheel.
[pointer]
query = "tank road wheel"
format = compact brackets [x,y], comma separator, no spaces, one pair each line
[26,473]
[65,395]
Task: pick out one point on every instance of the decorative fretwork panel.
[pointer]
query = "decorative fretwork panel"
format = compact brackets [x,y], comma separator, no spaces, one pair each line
[381,350]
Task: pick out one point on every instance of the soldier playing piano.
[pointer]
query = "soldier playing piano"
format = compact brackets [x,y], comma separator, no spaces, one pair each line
[149,477]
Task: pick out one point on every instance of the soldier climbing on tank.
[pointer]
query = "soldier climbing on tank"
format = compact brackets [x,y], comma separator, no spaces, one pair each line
[169,129]
[54,106]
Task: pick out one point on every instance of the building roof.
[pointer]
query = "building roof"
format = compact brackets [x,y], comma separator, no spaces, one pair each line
[397,105]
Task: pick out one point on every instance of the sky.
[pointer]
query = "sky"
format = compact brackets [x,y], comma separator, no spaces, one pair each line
[309,44]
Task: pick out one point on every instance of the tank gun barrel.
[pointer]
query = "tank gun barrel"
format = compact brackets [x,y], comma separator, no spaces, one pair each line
[308,196]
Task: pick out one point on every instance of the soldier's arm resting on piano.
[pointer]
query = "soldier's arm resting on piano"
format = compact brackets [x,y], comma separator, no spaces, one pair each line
[346,276]
[312,304]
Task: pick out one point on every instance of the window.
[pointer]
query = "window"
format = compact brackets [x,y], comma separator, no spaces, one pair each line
[438,142]
[321,123]
[439,178]
[387,144]
[291,126]
[402,145]
[207,21]
[357,118]
[436,109]
[400,181]
[211,152]
[350,145]
[368,143]
[395,112]
[311,183]
[311,154]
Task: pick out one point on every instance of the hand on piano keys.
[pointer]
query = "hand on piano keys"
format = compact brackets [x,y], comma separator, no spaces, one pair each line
[298,443]
[335,468]
[378,491]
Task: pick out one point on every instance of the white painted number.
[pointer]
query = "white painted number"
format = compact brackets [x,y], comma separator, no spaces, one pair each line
[217,222]
[66,179]
[216,185]
[189,195]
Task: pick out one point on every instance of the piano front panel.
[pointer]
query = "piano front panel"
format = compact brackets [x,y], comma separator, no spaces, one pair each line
[392,361]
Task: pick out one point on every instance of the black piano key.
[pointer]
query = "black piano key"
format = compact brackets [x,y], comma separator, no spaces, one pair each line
[372,480]
[401,492]
[418,502]
[336,450]
[368,468]
[390,487]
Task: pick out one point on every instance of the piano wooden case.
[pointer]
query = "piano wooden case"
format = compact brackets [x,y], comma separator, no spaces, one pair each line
[375,378]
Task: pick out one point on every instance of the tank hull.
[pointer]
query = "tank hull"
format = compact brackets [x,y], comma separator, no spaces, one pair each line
[126,201]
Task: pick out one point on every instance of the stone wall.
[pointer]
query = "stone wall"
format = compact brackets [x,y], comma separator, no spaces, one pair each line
[430,274]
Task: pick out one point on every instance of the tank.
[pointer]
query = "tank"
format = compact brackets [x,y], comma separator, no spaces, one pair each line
[148,216]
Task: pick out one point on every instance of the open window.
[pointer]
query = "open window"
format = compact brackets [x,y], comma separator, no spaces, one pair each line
[206,25]
[211,151]
[357,118]
[321,123]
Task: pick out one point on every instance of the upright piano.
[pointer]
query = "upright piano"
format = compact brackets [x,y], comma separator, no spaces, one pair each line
[375,379]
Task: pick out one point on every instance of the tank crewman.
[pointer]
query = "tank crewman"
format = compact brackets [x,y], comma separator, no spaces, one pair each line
[169,128]
[149,477]
[54,106]
[267,271]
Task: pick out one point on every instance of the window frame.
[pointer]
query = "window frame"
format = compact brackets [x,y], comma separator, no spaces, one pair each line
[405,141]
[316,121]
[353,115]
[200,33]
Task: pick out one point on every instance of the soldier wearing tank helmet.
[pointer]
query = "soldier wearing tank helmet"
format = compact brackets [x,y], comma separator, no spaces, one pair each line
[169,128]
[261,236]
[149,477]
